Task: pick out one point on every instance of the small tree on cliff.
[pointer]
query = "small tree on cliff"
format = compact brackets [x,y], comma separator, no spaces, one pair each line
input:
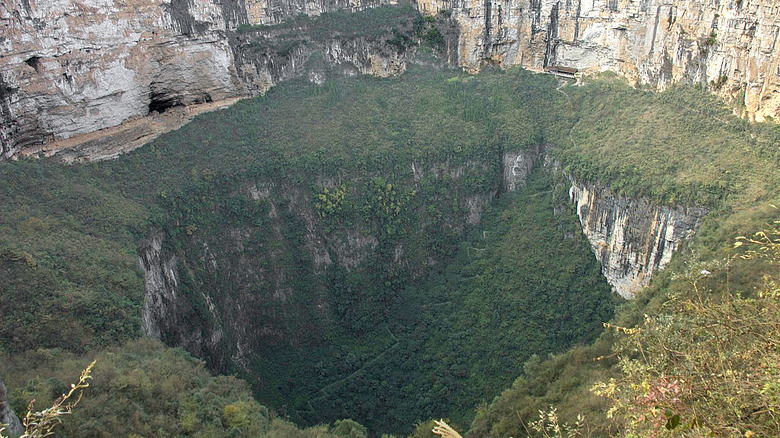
[710,364]
[42,423]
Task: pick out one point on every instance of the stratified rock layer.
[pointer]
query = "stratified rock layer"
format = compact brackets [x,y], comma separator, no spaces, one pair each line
[730,46]
[631,238]
[70,68]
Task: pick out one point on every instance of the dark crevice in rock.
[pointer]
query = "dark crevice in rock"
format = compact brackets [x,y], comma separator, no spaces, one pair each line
[536,7]
[179,10]
[552,36]
[486,39]
[234,13]
[160,102]
[34,62]
[655,29]
[577,21]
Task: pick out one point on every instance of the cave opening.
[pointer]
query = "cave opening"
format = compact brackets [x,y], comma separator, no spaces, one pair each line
[34,62]
[160,102]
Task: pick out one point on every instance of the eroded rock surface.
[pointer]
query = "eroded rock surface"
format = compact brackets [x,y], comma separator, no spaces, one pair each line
[73,68]
[631,238]
[70,68]
[730,46]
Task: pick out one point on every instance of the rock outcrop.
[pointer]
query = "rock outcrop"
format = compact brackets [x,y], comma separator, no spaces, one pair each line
[167,314]
[72,68]
[7,415]
[631,238]
[729,46]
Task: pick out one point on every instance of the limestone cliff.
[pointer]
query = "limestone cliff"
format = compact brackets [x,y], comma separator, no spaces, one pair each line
[72,68]
[167,314]
[729,46]
[631,238]
[224,294]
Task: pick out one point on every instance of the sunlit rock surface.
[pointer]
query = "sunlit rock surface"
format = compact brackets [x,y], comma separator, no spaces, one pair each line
[72,68]
[731,46]
[631,238]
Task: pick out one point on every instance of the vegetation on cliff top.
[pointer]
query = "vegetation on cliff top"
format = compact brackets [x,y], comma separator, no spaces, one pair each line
[144,389]
[678,147]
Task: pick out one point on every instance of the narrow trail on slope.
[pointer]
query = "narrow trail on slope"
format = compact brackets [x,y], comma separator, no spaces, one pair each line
[571,103]
[321,393]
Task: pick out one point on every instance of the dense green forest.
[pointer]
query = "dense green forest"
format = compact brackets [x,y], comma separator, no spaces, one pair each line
[438,331]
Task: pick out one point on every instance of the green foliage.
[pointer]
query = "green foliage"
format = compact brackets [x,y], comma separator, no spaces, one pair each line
[706,364]
[698,358]
[453,339]
[434,38]
[679,147]
[330,202]
[68,259]
[349,429]
[561,380]
[42,423]
[145,389]
[386,206]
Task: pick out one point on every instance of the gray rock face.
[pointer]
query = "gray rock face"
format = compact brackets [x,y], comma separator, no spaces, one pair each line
[7,415]
[517,166]
[167,315]
[730,46]
[71,68]
[631,238]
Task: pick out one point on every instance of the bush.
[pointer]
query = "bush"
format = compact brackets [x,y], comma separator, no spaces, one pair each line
[709,363]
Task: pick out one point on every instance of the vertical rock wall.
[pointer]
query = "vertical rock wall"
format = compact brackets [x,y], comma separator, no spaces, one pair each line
[7,415]
[631,238]
[729,45]
[68,68]
[167,314]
